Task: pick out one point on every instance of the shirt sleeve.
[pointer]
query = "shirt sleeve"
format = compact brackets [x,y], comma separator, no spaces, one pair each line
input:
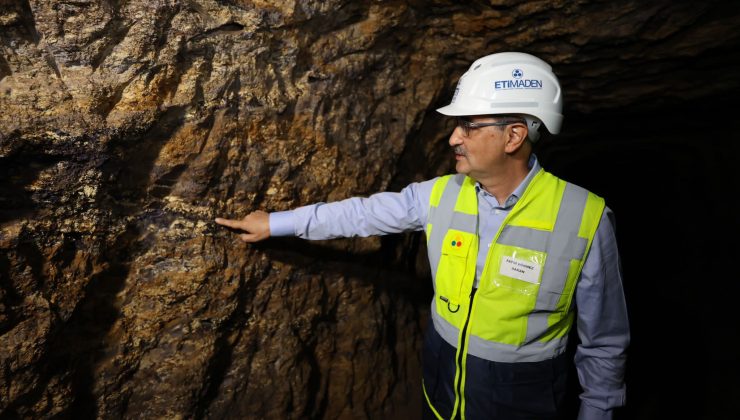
[602,325]
[380,214]
[282,223]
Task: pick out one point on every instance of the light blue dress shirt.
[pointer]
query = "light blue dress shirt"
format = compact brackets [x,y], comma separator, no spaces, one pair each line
[601,322]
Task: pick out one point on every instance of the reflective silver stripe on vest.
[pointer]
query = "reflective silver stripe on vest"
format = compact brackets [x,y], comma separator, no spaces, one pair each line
[524,238]
[562,245]
[499,352]
[459,221]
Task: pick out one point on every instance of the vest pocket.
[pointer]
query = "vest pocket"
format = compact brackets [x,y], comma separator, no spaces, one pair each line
[453,267]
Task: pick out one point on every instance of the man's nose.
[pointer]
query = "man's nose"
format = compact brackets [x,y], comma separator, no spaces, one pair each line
[456,137]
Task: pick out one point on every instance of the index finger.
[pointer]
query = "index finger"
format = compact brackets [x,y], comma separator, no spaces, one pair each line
[228,223]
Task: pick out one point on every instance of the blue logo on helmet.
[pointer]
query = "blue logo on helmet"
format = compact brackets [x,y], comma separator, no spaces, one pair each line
[517,82]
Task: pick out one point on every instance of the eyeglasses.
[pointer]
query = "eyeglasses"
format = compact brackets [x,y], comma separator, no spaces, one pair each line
[469,125]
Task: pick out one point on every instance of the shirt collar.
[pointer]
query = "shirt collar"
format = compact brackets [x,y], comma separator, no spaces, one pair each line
[534,167]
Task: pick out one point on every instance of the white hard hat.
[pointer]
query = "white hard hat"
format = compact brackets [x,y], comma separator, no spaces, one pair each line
[510,83]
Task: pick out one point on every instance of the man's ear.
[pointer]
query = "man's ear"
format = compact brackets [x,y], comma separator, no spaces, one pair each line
[516,136]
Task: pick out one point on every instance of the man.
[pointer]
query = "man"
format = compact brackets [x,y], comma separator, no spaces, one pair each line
[516,256]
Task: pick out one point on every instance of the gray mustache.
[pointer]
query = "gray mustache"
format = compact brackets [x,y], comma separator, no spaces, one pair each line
[459,150]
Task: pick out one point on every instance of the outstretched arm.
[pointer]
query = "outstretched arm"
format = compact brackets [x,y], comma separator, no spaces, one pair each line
[379,214]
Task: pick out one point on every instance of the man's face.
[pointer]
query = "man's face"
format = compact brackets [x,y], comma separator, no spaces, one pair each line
[481,150]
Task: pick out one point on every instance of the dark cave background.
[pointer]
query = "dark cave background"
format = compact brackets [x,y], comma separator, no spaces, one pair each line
[668,174]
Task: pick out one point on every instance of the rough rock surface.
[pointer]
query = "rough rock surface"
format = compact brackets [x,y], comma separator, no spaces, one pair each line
[127,126]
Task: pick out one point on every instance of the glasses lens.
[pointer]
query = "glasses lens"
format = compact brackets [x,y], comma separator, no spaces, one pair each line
[463,123]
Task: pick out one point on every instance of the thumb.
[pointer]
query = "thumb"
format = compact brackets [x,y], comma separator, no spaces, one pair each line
[248,237]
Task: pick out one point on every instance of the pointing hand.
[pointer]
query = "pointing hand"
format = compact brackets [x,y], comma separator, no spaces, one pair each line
[255,226]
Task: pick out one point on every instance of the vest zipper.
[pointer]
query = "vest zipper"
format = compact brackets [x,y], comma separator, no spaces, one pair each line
[462,351]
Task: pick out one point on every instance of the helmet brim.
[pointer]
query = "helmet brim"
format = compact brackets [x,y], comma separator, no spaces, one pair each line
[457,111]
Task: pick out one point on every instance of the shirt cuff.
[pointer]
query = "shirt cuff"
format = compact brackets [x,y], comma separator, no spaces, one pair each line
[592,413]
[282,223]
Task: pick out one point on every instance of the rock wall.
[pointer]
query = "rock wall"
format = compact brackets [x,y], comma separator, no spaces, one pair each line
[127,126]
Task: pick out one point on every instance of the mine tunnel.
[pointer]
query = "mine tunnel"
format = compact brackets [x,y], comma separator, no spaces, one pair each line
[126,127]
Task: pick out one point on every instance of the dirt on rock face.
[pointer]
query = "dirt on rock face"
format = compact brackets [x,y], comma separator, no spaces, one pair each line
[126,127]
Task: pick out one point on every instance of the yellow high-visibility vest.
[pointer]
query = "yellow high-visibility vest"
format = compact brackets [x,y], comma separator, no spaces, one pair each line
[522,309]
